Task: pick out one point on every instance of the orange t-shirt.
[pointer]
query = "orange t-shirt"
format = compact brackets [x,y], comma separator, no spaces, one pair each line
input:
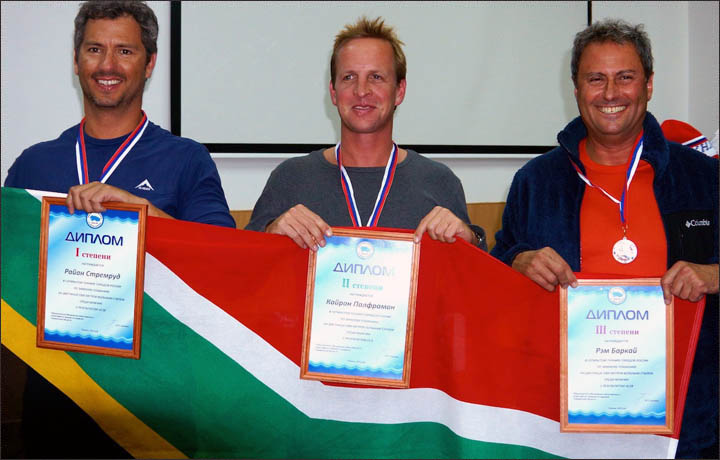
[601,227]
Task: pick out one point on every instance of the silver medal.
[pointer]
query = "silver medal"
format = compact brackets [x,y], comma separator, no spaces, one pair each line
[624,251]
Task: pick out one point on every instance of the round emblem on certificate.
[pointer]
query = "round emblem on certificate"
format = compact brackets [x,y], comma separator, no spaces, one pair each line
[624,251]
[94,220]
[616,295]
[365,249]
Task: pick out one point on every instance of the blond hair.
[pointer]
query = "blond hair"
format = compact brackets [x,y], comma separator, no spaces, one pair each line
[365,28]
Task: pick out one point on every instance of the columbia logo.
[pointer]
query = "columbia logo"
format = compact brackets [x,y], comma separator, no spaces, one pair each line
[697,223]
[144,185]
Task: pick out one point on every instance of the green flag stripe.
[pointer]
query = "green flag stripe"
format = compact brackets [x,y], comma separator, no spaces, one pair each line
[203,402]
[20,249]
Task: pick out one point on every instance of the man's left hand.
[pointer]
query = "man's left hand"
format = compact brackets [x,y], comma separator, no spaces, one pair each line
[441,224]
[689,281]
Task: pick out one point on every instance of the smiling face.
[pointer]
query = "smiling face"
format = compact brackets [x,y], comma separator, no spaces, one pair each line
[365,90]
[112,63]
[612,92]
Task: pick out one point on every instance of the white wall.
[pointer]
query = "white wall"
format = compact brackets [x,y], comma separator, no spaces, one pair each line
[40,96]
[704,56]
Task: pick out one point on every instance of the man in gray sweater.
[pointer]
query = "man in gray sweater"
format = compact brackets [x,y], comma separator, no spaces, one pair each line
[365,180]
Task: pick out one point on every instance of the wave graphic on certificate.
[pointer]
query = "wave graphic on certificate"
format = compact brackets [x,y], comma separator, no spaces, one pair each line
[360,307]
[91,266]
[616,355]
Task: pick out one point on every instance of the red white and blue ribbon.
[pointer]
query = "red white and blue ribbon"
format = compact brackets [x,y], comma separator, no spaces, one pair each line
[637,153]
[382,193]
[115,160]
[693,143]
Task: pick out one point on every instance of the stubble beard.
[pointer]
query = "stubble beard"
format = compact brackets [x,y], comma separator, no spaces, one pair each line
[109,103]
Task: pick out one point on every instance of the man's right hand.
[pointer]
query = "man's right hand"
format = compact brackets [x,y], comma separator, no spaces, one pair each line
[305,227]
[546,267]
[90,197]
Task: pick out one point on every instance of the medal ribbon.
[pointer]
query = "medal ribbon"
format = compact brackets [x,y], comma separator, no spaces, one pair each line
[696,141]
[115,160]
[382,193]
[637,153]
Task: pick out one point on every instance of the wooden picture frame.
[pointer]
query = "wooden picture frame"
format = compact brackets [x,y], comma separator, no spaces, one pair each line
[396,250]
[622,375]
[83,282]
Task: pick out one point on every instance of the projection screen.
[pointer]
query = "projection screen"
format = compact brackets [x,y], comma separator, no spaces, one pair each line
[479,73]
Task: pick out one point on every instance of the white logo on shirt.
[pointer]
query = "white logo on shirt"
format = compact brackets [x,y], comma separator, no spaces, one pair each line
[144,185]
[697,223]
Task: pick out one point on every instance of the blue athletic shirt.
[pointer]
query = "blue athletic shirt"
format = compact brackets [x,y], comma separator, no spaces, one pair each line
[175,174]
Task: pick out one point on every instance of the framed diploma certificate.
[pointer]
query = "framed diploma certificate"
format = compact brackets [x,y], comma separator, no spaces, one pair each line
[360,309]
[91,278]
[616,352]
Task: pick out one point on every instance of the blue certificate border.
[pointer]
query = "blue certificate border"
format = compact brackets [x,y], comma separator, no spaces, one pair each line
[393,373]
[599,313]
[102,260]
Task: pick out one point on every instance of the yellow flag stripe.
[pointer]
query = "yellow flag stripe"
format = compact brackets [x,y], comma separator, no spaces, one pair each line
[141,441]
